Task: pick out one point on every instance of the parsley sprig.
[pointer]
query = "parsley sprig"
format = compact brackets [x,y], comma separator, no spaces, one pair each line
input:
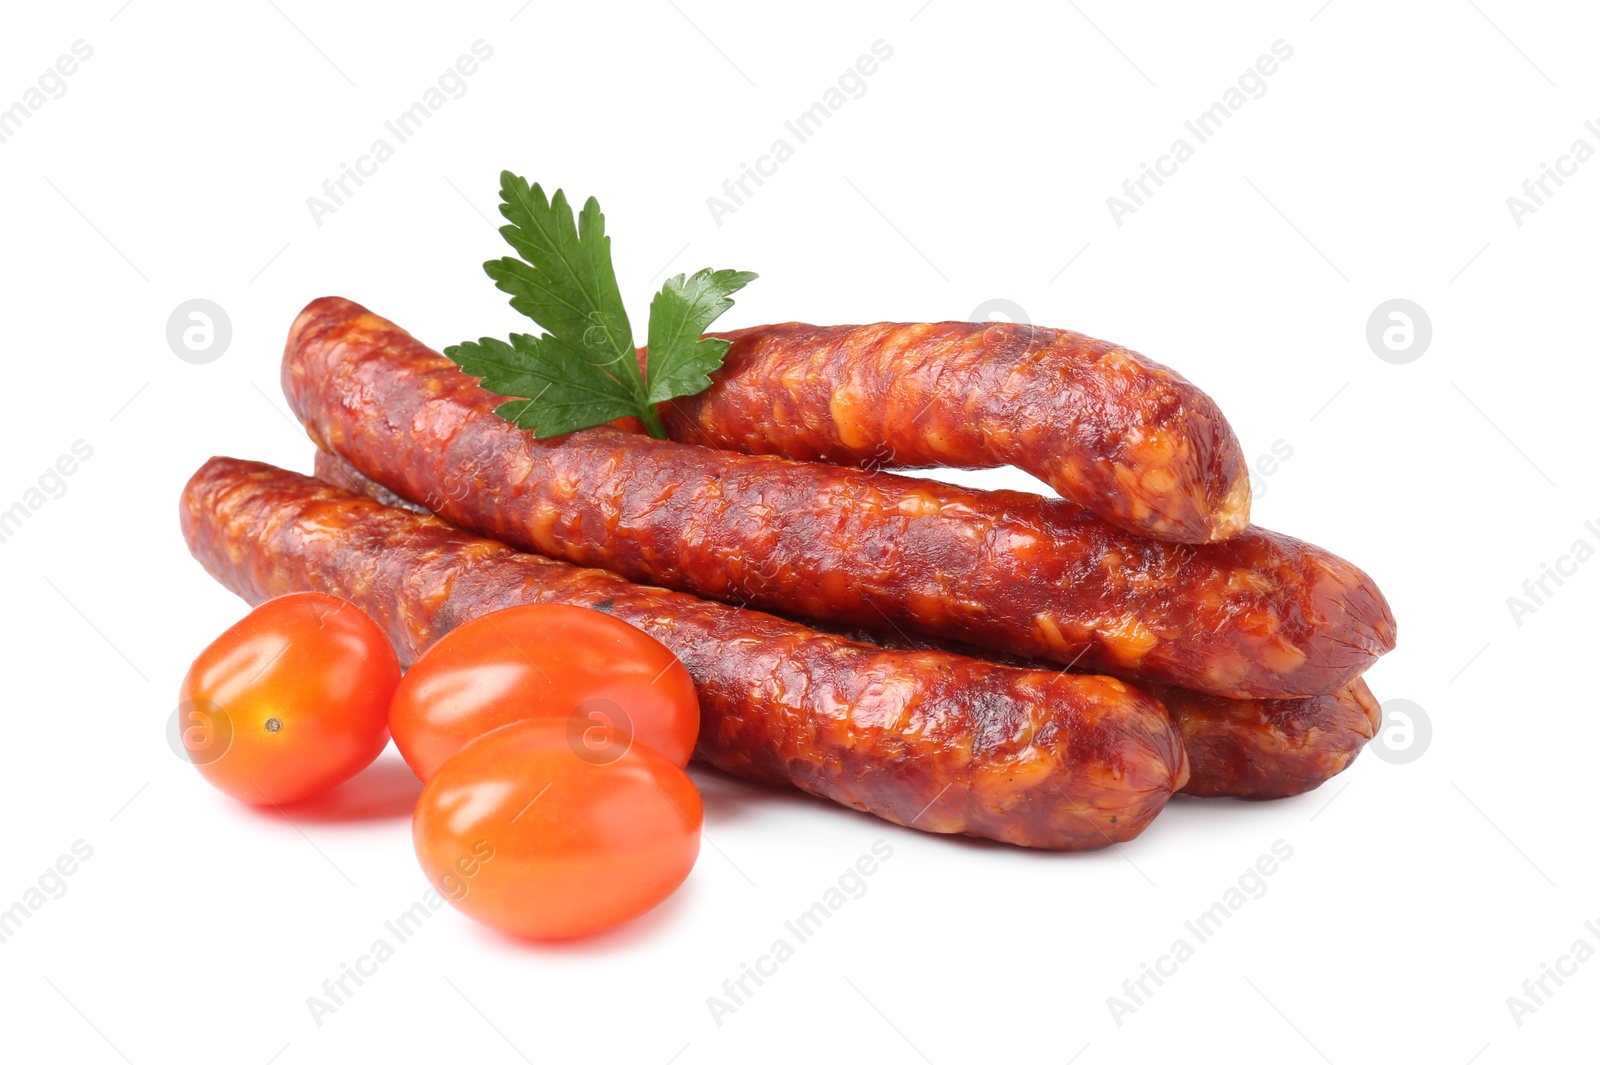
[582,370]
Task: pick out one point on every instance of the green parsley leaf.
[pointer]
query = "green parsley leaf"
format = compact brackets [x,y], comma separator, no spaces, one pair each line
[680,361]
[564,391]
[583,371]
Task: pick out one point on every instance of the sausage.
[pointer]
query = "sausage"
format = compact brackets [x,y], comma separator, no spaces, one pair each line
[928,739]
[1270,748]
[1258,616]
[1107,428]
[1238,748]
[331,469]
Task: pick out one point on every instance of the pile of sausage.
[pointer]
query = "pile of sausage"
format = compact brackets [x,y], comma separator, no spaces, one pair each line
[1047,672]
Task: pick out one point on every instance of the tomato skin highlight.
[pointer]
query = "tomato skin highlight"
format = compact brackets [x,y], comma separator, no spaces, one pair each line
[545,661]
[521,832]
[296,697]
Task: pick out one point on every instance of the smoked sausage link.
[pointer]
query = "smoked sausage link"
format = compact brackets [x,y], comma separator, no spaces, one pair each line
[1260,615]
[1270,748]
[1107,428]
[933,740]
[1238,748]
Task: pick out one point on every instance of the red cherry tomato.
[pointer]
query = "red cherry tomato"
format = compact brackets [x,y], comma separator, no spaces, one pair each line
[607,680]
[290,701]
[527,833]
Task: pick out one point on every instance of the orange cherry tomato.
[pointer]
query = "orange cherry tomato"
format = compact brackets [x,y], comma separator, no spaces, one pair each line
[290,701]
[529,833]
[607,680]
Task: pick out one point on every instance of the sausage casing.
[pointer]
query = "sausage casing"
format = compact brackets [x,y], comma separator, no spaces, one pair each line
[1260,615]
[1270,748]
[1107,428]
[934,740]
[1238,748]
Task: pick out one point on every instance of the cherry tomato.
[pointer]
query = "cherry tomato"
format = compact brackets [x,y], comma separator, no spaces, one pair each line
[525,832]
[290,701]
[609,681]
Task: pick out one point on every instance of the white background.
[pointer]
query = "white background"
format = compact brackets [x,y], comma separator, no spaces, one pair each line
[976,166]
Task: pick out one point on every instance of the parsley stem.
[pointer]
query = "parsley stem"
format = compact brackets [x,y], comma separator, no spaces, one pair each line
[652,421]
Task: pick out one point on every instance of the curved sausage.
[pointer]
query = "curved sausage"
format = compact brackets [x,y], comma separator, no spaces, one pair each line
[1107,428]
[1270,748]
[331,469]
[1258,616]
[928,739]
[1238,748]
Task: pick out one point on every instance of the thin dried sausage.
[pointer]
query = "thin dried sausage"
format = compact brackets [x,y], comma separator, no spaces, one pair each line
[937,741]
[1270,748]
[1238,748]
[1106,427]
[1260,615]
